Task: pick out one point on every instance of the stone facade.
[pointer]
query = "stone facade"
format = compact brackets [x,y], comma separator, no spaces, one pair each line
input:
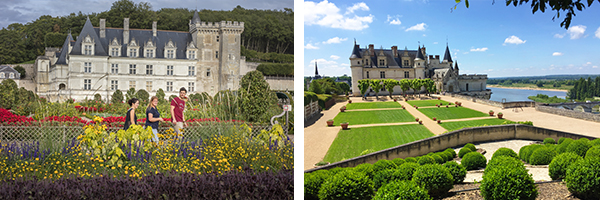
[371,63]
[101,60]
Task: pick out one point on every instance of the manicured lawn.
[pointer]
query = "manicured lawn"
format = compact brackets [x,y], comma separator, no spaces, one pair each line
[351,143]
[423,103]
[374,105]
[452,126]
[373,117]
[452,112]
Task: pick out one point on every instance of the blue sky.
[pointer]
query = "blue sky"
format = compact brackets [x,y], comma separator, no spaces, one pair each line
[497,40]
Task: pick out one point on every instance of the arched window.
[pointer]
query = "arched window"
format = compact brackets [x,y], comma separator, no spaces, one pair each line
[62,86]
[2,75]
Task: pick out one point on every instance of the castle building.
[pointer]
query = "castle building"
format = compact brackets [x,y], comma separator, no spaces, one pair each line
[102,60]
[369,63]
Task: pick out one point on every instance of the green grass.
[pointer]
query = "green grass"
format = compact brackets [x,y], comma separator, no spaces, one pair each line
[452,126]
[423,103]
[373,117]
[374,105]
[452,112]
[28,62]
[351,143]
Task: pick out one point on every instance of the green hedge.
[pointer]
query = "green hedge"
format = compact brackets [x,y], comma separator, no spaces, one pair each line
[310,97]
[323,98]
[252,55]
[276,69]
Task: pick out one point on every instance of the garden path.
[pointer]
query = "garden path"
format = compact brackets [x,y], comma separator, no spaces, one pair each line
[318,136]
[433,126]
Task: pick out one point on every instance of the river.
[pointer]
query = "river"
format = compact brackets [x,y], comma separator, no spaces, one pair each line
[521,95]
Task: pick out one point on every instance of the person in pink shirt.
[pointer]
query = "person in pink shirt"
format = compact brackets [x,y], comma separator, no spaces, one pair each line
[177,108]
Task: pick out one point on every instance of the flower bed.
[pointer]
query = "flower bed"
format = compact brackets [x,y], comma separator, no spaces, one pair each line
[9,119]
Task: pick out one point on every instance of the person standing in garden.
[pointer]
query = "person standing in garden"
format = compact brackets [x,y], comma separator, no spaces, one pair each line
[153,117]
[177,108]
[130,117]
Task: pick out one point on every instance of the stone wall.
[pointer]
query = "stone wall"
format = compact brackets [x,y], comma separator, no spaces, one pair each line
[568,113]
[511,104]
[280,83]
[456,139]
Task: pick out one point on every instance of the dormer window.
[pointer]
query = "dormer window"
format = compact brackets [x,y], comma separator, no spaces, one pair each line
[115,48]
[406,63]
[11,75]
[88,45]
[88,49]
[133,53]
[191,51]
[191,55]
[149,53]
[2,75]
[381,62]
[133,48]
[150,49]
[170,52]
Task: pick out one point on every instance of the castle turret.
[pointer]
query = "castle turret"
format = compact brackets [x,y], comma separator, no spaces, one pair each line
[447,57]
[356,66]
[419,64]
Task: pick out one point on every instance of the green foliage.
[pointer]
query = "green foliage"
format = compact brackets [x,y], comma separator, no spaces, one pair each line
[426,160]
[504,161]
[21,71]
[323,98]
[383,165]
[256,97]
[579,147]
[562,147]
[310,97]
[389,85]
[366,168]
[272,57]
[315,87]
[347,185]
[585,88]
[402,190]
[503,151]
[542,98]
[130,94]
[438,159]
[549,141]
[526,151]
[313,182]
[508,182]
[559,165]
[473,160]
[444,155]
[595,142]
[383,177]
[593,152]
[583,178]
[405,85]
[560,140]
[143,96]
[117,97]
[8,97]
[376,86]
[434,178]
[363,86]
[542,156]
[411,159]
[470,146]
[406,171]
[276,69]
[463,151]
[343,86]
[451,151]
[160,93]
[458,172]
[398,161]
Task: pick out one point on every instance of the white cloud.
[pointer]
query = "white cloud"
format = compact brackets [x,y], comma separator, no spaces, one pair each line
[576,32]
[327,68]
[598,32]
[418,27]
[310,46]
[559,35]
[587,63]
[334,57]
[513,40]
[480,49]
[594,66]
[393,20]
[335,40]
[557,54]
[357,6]
[328,14]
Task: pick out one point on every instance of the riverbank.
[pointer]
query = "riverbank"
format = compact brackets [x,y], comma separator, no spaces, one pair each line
[526,88]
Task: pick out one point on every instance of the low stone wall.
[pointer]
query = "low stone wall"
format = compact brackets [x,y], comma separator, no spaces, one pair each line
[511,104]
[568,113]
[456,139]
[280,83]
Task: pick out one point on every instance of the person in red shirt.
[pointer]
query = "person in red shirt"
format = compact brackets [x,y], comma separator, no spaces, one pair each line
[177,108]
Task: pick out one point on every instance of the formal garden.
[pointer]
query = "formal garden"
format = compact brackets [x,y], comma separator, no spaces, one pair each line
[229,149]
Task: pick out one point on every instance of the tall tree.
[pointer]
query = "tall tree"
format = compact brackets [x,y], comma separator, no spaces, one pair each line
[405,85]
[376,86]
[363,86]
[389,85]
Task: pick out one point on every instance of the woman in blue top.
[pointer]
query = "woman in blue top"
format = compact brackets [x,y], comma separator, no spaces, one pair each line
[153,117]
[130,117]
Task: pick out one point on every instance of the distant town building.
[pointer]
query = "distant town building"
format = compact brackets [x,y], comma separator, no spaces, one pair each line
[369,63]
[7,72]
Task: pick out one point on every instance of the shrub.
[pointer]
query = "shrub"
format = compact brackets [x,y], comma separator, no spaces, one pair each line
[451,151]
[549,141]
[337,170]
[434,178]
[579,147]
[560,140]
[562,147]
[313,182]
[473,160]
[398,161]
[347,185]
[595,142]
[426,160]
[406,171]
[526,151]
[383,165]
[402,190]
[449,156]
[457,171]
[559,165]
[410,159]
[542,156]
[594,151]
[383,177]
[502,161]
[444,155]
[438,159]
[366,168]
[503,151]
[583,178]
[508,182]
[470,146]
[463,151]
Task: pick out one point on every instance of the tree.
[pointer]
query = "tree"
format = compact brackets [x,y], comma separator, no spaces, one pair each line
[143,96]
[376,86]
[21,71]
[117,97]
[389,85]
[429,86]
[343,86]
[97,97]
[416,85]
[130,94]
[404,85]
[160,94]
[539,83]
[315,87]
[8,89]
[363,85]
[256,96]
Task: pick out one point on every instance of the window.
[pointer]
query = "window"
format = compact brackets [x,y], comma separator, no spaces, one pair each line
[87,67]
[149,69]
[367,62]
[170,53]
[169,86]
[114,52]
[148,86]
[2,75]
[406,74]
[132,84]
[114,68]
[190,87]
[88,49]
[87,84]
[381,62]
[149,53]
[169,69]
[133,53]
[191,71]
[114,85]
[217,38]
[132,69]
[217,54]
[381,74]
[207,72]
[11,75]
[406,63]
[367,74]
[192,55]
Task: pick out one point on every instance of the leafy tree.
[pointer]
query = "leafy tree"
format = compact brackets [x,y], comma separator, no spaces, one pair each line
[130,94]
[256,96]
[21,71]
[343,86]
[405,85]
[160,94]
[143,96]
[429,86]
[8,89]
[316,87]
[389,85]
[416,85]
[117,97]
[97,97]
[363,86]
[376,86]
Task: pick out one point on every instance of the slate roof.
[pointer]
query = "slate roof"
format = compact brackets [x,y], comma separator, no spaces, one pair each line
[420,54]
[196,18]
[62,55]
[447,56]
[7,70]
[393,62]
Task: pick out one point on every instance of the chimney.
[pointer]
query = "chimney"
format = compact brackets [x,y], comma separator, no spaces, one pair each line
[154,28]
[372,50]
[126,31]
[102,28]
[437,57]
[395,51]
[430,57]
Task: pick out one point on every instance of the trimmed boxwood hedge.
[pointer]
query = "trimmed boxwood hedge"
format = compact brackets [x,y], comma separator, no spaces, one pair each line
[562,147]
[438,159]
[526,151]
[310,97]
[463,151]
[346,185]
[549,141]
[560,140]
[406,171]
[595,142]
[502,161]
[579,147]
[410,159]
[508,182]
[426,160]
[458,171]
[366,168]
[402,190]
[383,177]
[313,182]
[276,69]
[470,146]
[473,160]
[383,165]
[503,151]
[434,178]
[559,165]
[542,156]
[398,161]
[583,178]
[593,152]
[451,151]
[323,98]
